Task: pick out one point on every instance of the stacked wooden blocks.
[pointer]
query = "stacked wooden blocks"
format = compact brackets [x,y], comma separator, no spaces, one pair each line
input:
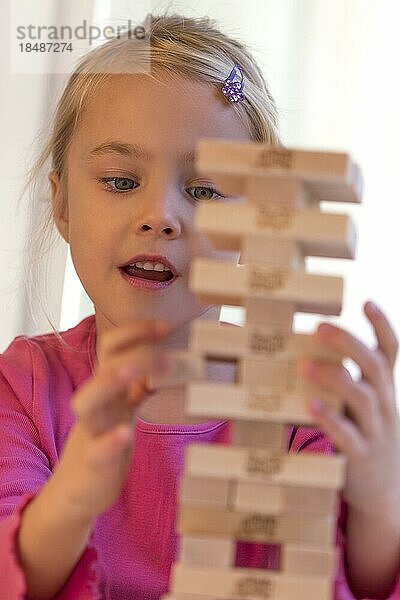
[254,490]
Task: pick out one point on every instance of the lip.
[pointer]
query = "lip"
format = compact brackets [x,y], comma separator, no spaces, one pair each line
[153,258]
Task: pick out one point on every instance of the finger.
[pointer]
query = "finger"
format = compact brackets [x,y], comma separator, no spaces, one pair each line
[100,390]
[387,340]
[103,398]
[373,365]
[360,397]
[106,449]
[96,389]
[120,410]
[135,332]
[340,430]
[139,362]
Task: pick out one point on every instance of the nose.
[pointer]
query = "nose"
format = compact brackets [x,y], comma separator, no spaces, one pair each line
[151,227]
[159,215]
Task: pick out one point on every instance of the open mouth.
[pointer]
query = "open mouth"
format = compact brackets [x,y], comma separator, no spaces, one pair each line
[148,273]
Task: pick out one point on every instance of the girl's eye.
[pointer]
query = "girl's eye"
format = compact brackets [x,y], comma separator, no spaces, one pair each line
[125,184]
[122,184]
[202,192]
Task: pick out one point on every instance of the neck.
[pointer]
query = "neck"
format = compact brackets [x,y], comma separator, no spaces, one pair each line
[180,336]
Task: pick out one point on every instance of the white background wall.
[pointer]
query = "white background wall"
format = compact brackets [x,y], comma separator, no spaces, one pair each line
[332,67]
[26,104]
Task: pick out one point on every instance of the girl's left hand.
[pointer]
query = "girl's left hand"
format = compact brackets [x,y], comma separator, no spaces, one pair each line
[370,438]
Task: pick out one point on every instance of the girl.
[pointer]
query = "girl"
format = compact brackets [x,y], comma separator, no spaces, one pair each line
[90,460]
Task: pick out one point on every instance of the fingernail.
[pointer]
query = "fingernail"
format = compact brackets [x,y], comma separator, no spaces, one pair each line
[326,329]
[373,307]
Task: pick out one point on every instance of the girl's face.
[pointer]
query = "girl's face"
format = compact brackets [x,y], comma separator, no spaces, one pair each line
[148,204]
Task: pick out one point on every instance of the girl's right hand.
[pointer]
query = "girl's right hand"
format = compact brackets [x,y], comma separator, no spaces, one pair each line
[95,458]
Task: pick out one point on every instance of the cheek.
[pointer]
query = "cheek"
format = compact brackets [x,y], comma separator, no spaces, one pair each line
[92,242]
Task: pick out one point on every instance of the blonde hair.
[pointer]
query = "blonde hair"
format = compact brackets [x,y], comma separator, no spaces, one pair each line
[179,46]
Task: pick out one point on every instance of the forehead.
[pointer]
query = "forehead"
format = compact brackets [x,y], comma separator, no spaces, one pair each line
[162,115]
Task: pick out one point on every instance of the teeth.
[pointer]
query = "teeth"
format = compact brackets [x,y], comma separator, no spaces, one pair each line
[150,266]
[160,267]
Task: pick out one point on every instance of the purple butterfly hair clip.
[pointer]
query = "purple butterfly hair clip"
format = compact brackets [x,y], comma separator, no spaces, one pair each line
[233,89]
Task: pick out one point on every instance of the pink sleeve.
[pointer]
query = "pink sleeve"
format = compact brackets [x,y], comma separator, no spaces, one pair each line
[314,440]
[82,584]
[24,468]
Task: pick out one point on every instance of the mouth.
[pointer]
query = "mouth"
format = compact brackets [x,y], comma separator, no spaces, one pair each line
[151,267]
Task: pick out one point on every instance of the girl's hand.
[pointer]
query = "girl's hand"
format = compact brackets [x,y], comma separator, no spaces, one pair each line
[97,453]
[370,439]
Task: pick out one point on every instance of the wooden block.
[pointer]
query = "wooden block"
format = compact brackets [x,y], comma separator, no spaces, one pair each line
[257,527]
[270,313]
[251,433]
[279,374]
[261,189]
[203,491]
[237,584]
[211,343]
[285,254]
[256,464]
[256,403]
[218,282]
[316,233]
[230,185]
[207,551]
[331,176]
[296,559]
[236,495]
[278,190]
[226,341]
[185,367]
[256,496]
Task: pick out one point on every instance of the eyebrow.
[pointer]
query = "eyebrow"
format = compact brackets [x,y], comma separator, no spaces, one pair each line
[131,151]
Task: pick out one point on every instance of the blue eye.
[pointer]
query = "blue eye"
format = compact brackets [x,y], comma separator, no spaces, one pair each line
[125,184]
[203,193]
[123,181]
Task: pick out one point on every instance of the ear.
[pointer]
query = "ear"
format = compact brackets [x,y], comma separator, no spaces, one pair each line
[60,205]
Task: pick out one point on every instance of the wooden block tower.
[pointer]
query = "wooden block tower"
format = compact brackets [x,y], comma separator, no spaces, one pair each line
[252,489]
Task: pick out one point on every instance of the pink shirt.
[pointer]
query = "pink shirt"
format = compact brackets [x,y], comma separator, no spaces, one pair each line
[134,544]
